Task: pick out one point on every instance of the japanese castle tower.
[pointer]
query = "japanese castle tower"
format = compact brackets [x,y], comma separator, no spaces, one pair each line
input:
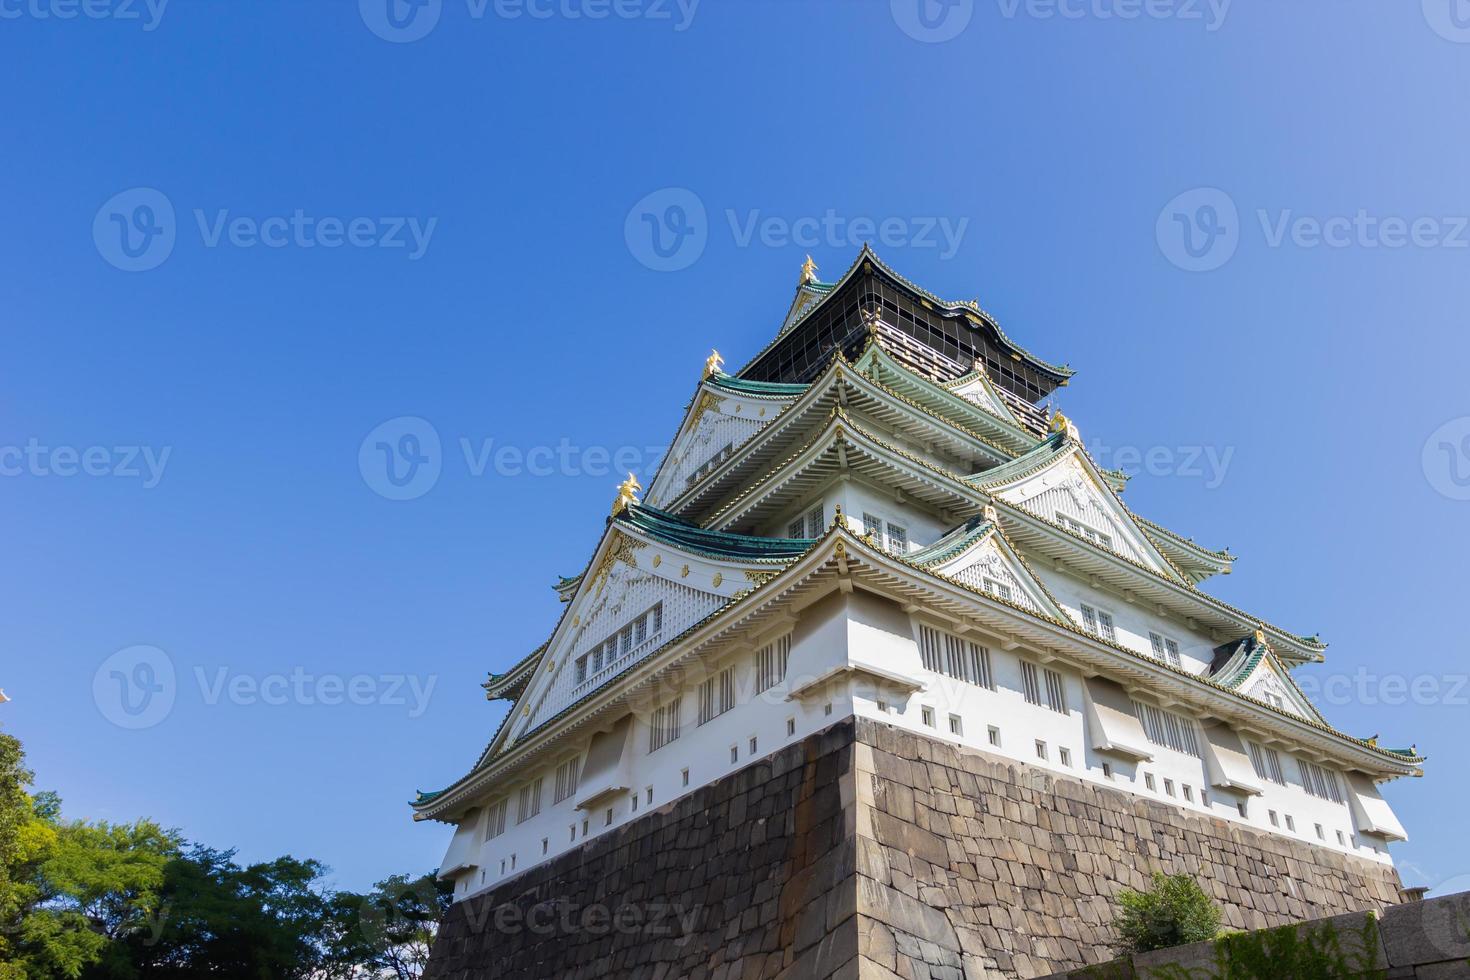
[881,669]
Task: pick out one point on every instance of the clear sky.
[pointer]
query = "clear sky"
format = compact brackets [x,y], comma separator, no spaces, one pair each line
[443,219]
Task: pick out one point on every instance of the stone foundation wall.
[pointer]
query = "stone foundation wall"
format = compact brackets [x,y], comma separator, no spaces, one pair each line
[747,878]
[1011,871]
[869,852]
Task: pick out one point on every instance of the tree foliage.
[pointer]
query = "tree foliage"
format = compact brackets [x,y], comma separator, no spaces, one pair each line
[1172,911]
[84,900]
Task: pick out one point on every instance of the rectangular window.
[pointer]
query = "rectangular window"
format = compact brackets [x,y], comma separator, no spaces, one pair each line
[898,539]
[633,803]
[734,753]
[495,820]
[1168,787]
[620,644]
[1242,810]
[790,727]
[1056,692]
[1030,682]
[1107,770]
[1266,763]
[566,780]
[815,525]
[1341,841]
[1291,823]
[1188,792]
[1083,531]
[607,818]
[1167,729]
[1148,780]
[752,745]
[883,707]
[998,589]
[1320,835]
[1165,648]
[1274,821]
[770,664]
[1066,756]
[797,528]
[649,793]
[684,775]
[930,649]
[1321,783]
[956,725]
[1099,621]
[717,695]
[926,713]
[528,803]
[1204,798]
[663,728]
[1040,749]
[994,736]
[873,528]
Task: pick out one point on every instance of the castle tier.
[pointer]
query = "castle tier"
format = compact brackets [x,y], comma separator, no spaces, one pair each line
[878,518]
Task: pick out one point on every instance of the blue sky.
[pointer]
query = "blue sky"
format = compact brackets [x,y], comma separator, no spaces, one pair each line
[454,229]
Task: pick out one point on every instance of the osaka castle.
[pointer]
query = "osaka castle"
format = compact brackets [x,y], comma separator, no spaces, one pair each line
[881,668]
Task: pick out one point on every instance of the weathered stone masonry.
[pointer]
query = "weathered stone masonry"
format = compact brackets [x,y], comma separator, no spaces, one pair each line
[869,852]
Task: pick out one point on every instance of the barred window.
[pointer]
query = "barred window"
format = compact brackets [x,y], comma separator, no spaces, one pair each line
[770,664]
[1165,648]
[873,527]
[945,653]
[898,539]
[815,523]
[1167,729]
[717,695]
[1030,682]
[1321,783]
[528,803]
[1266,763]
[495,820]
[663,728]
[566,780]
[1056,692]
[929,648]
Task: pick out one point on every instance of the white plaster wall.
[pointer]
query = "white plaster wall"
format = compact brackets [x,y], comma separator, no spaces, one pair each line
[862,628]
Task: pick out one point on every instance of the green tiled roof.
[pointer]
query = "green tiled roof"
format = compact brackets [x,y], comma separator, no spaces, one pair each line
[747,387]
[718,544]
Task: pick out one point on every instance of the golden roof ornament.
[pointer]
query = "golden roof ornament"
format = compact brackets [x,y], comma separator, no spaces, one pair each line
[808,272]
[1060,423]
[628,492]
[990,514]
[1261,637]
[712,364]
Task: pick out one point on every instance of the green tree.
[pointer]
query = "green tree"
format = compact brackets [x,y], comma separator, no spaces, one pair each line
[1172,911]
[388,931]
